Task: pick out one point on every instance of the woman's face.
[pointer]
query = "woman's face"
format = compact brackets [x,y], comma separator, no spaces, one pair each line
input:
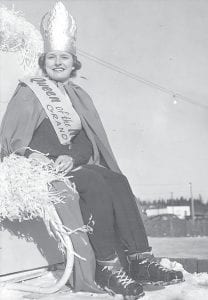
[58,65]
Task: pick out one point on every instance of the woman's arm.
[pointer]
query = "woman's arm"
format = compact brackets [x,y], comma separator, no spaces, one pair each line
[22,116]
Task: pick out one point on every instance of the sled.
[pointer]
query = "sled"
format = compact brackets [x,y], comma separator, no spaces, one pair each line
[12,247]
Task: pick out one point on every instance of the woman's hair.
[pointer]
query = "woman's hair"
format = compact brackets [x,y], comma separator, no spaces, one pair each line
[76,64]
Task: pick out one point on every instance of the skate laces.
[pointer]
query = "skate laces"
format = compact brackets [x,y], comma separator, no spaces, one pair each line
[158,265]
[121,275]
[155,264]
[123,278]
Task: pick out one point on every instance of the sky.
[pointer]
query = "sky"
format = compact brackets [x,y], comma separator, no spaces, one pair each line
[155,50]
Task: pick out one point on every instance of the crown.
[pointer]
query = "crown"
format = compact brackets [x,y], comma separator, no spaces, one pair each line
[58,29]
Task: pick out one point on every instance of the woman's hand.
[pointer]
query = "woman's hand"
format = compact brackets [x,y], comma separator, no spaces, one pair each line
[64,163]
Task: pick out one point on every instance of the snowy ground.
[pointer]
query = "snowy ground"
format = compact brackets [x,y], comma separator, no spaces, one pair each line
[194,287]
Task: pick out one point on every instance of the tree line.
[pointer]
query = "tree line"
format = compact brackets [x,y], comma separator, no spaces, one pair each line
[182,201]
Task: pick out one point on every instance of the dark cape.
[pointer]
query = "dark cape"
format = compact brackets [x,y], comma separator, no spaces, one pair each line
[23,116]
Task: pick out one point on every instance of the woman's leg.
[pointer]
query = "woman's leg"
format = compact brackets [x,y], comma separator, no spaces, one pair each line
[142,264]
[96,201]
[127,216]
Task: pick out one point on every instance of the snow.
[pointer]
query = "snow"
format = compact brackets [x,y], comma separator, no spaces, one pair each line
[194,287]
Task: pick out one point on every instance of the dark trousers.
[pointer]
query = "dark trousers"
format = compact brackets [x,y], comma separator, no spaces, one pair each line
[107,197]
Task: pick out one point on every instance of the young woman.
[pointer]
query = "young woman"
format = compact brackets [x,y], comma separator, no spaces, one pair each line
[52,115]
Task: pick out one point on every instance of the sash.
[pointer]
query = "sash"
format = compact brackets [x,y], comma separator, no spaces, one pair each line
[56,106]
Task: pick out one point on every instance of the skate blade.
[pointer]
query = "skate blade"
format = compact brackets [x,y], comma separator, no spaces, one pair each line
[162,283]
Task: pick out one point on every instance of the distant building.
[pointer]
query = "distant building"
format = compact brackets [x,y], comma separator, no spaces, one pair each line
[180,211]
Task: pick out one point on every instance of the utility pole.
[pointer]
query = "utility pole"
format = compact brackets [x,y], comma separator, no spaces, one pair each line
[192,202]
[171,202]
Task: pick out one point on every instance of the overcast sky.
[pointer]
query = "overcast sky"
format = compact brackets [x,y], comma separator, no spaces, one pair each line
[161,142]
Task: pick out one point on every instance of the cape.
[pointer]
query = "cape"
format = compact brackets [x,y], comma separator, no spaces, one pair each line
[24,114]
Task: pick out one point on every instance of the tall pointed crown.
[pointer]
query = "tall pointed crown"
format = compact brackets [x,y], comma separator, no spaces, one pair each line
[58,29]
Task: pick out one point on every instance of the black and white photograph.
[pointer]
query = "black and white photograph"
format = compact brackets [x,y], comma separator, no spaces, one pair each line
[104,149]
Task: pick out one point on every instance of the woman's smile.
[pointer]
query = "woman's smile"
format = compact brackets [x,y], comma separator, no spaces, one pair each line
[58,69]
[59,65]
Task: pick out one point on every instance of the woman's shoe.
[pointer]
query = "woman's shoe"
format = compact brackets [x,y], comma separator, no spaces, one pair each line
[113,279]
[149,270]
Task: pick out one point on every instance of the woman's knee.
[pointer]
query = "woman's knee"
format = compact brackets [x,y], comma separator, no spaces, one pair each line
[107,173]
[118,177]
[86,178]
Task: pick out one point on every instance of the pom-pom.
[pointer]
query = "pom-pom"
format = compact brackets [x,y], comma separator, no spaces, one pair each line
[17,34]
[26,191]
